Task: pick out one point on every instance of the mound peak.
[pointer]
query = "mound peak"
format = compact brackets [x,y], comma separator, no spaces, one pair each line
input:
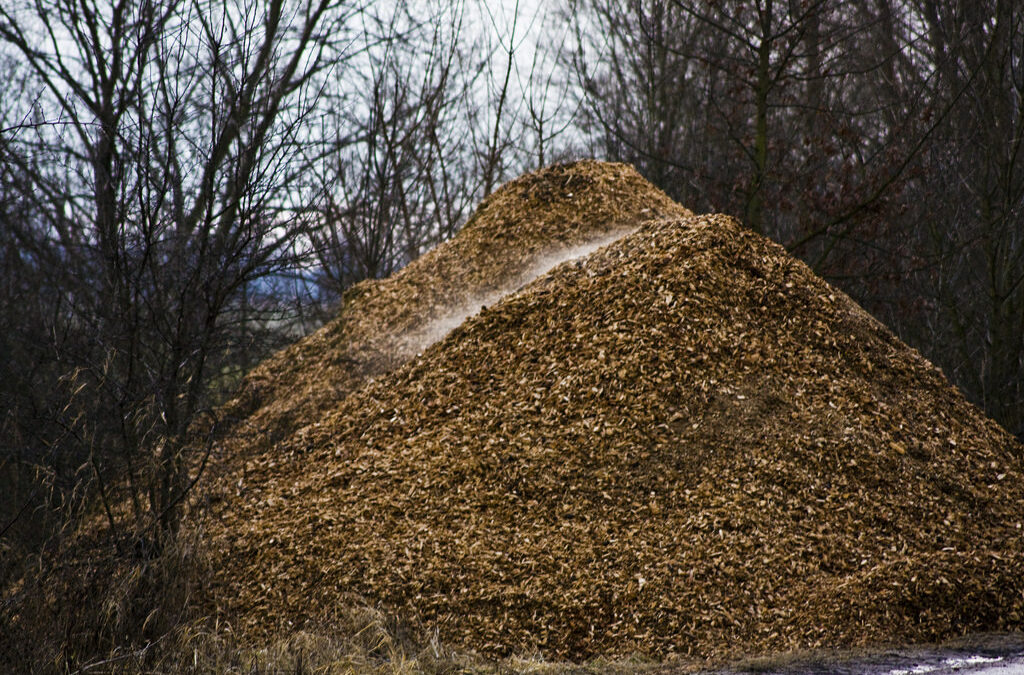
[682,443]
[516,233]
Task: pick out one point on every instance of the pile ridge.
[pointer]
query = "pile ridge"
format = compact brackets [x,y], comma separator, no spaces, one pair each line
[683,443]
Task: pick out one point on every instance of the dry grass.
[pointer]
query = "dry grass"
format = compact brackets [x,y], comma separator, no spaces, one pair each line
[81,606]
[364,642]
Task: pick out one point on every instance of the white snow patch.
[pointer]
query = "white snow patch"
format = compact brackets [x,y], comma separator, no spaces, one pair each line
[966,664]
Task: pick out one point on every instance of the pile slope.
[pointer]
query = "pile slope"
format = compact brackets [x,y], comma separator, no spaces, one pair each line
[514,235]
[684,443]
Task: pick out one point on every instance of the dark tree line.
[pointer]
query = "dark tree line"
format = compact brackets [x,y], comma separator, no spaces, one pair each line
[877,139]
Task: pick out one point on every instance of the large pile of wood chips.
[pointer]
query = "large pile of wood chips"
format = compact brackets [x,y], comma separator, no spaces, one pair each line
[683,443]
[383,323]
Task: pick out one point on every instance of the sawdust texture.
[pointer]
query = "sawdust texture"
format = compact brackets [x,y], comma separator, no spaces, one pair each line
[513,236]
[684,443]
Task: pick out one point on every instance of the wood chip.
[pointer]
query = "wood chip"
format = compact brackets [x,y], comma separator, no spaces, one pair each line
[683,443]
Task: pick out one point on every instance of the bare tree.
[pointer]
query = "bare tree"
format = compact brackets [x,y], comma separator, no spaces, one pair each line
[157,164]
[431,123]
[549,117]
[730,106]
[515,111]
[394,178]
[969,200]
[640,99]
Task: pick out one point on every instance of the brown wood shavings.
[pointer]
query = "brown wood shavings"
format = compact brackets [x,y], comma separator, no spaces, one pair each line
[684,443]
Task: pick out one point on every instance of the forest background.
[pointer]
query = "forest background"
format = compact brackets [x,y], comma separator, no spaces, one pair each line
[187,186]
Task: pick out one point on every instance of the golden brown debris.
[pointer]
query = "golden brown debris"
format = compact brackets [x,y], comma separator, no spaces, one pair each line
[683,443]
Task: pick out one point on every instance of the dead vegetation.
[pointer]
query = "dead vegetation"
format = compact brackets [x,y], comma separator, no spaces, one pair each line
[682,445]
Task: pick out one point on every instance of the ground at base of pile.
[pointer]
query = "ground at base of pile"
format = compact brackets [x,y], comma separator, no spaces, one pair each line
[684,445]
[368,643]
